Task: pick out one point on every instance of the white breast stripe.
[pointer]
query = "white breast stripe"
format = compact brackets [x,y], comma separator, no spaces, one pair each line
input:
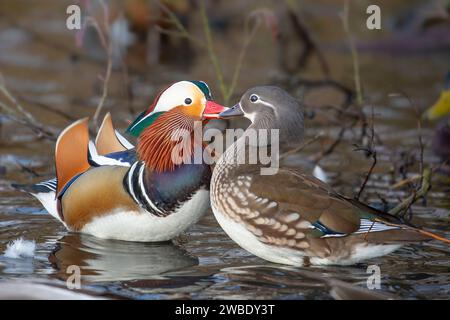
[144,193]
[130,182]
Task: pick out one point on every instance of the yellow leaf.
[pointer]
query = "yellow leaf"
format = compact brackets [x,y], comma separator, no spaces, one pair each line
[440,108]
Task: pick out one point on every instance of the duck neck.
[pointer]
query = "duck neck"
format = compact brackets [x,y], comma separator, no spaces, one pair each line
[257,149]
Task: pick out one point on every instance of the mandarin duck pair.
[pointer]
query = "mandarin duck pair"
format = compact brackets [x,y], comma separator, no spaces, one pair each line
[112,190]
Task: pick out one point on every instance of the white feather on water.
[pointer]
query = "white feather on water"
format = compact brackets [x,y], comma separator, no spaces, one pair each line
[20,248]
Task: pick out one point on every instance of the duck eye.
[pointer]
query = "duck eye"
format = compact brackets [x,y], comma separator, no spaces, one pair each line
[187,101]
[254,98]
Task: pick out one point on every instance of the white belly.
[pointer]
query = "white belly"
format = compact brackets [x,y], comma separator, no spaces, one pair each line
[145,227]
[244,238]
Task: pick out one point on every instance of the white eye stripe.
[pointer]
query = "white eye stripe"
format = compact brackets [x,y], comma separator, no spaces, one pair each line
[173,96]
[259,100]
[266,104]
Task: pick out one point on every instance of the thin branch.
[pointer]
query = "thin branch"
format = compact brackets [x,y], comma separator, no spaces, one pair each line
[18,114]
[317,157]
[107,46]
[370,151]
[424,188]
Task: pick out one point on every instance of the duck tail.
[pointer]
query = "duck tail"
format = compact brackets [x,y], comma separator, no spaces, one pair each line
[427,234]
[109,140]
[44,191]
[395,221]
[71,153]
[40,187]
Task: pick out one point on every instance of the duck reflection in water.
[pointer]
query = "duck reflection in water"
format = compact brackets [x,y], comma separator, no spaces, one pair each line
[113,260]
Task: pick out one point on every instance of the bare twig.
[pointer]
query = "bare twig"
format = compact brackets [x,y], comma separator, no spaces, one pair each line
[424,188]
[317,157]
[373,154]
[104,35]
[370,152]
[18,114]
[27,169]
[310,45]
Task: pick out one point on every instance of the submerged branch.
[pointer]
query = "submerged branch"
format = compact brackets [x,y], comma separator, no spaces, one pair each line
[422,192]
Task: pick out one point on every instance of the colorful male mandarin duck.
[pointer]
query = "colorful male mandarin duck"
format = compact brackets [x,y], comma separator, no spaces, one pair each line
[117,192]
[441,109]
[291,217]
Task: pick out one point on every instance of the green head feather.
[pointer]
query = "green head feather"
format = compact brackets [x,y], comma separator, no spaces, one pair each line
[141,122]
[204,88]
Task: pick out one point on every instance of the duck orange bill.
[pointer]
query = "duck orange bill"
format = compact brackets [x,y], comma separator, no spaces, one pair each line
[212,110]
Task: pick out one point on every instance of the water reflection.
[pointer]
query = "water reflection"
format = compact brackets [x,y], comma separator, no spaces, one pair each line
[111,260]
[284,282]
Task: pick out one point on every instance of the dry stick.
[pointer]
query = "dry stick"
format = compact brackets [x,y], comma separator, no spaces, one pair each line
[372,152]
[425,176]
[27,169]
[354,52]
[310,45]
[317,157]
[425,187]
[18,114]
[369,173]
[106,43]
